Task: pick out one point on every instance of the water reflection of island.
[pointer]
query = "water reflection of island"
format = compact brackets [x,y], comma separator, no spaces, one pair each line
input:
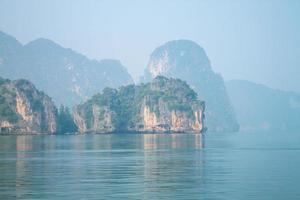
[171,160]
[172,141]
[156,164]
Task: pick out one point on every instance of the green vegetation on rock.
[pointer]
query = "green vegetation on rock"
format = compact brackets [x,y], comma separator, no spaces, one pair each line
[65,121]
[24,109]
[124,106]
[188,61]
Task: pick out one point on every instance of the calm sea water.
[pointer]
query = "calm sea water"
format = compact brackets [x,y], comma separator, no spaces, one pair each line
[132,166]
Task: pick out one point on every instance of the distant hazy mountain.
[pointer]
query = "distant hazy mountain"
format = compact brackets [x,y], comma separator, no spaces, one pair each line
[259,107]
[68,77]
[186,60]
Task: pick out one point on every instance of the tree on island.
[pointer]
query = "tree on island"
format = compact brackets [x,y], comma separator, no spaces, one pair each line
[65,120]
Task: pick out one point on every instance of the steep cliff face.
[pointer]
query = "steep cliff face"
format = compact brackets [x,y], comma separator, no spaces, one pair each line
[67,76]
[24,109]
[186,60]
[164,105]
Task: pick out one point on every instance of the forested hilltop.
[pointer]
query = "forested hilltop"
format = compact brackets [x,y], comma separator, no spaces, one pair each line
[163,105]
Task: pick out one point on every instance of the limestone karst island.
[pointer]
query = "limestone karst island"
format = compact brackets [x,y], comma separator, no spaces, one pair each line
[47,88]
[150,99]
[163,105]
[65,92]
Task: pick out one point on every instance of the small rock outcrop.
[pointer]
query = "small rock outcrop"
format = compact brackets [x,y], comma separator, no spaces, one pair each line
[164,105]
[24,109]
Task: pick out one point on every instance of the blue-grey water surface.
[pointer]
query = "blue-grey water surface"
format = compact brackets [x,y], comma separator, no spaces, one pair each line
[148,166]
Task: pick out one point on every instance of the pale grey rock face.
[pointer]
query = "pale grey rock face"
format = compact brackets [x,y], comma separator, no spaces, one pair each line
[188,61]
[67,76]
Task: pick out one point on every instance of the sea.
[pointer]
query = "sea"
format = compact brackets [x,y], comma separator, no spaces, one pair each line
[242,166]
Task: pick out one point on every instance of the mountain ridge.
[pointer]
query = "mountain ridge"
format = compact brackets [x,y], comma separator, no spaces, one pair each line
[66,75]
[259,107]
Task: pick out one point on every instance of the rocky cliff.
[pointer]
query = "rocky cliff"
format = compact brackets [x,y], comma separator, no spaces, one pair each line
[186,60]
[67,76]
[164,105]
[24,109]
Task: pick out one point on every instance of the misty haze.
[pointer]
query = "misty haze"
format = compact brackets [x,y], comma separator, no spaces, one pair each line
[149,99]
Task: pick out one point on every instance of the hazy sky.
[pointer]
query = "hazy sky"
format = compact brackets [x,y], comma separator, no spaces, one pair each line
[253,40]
